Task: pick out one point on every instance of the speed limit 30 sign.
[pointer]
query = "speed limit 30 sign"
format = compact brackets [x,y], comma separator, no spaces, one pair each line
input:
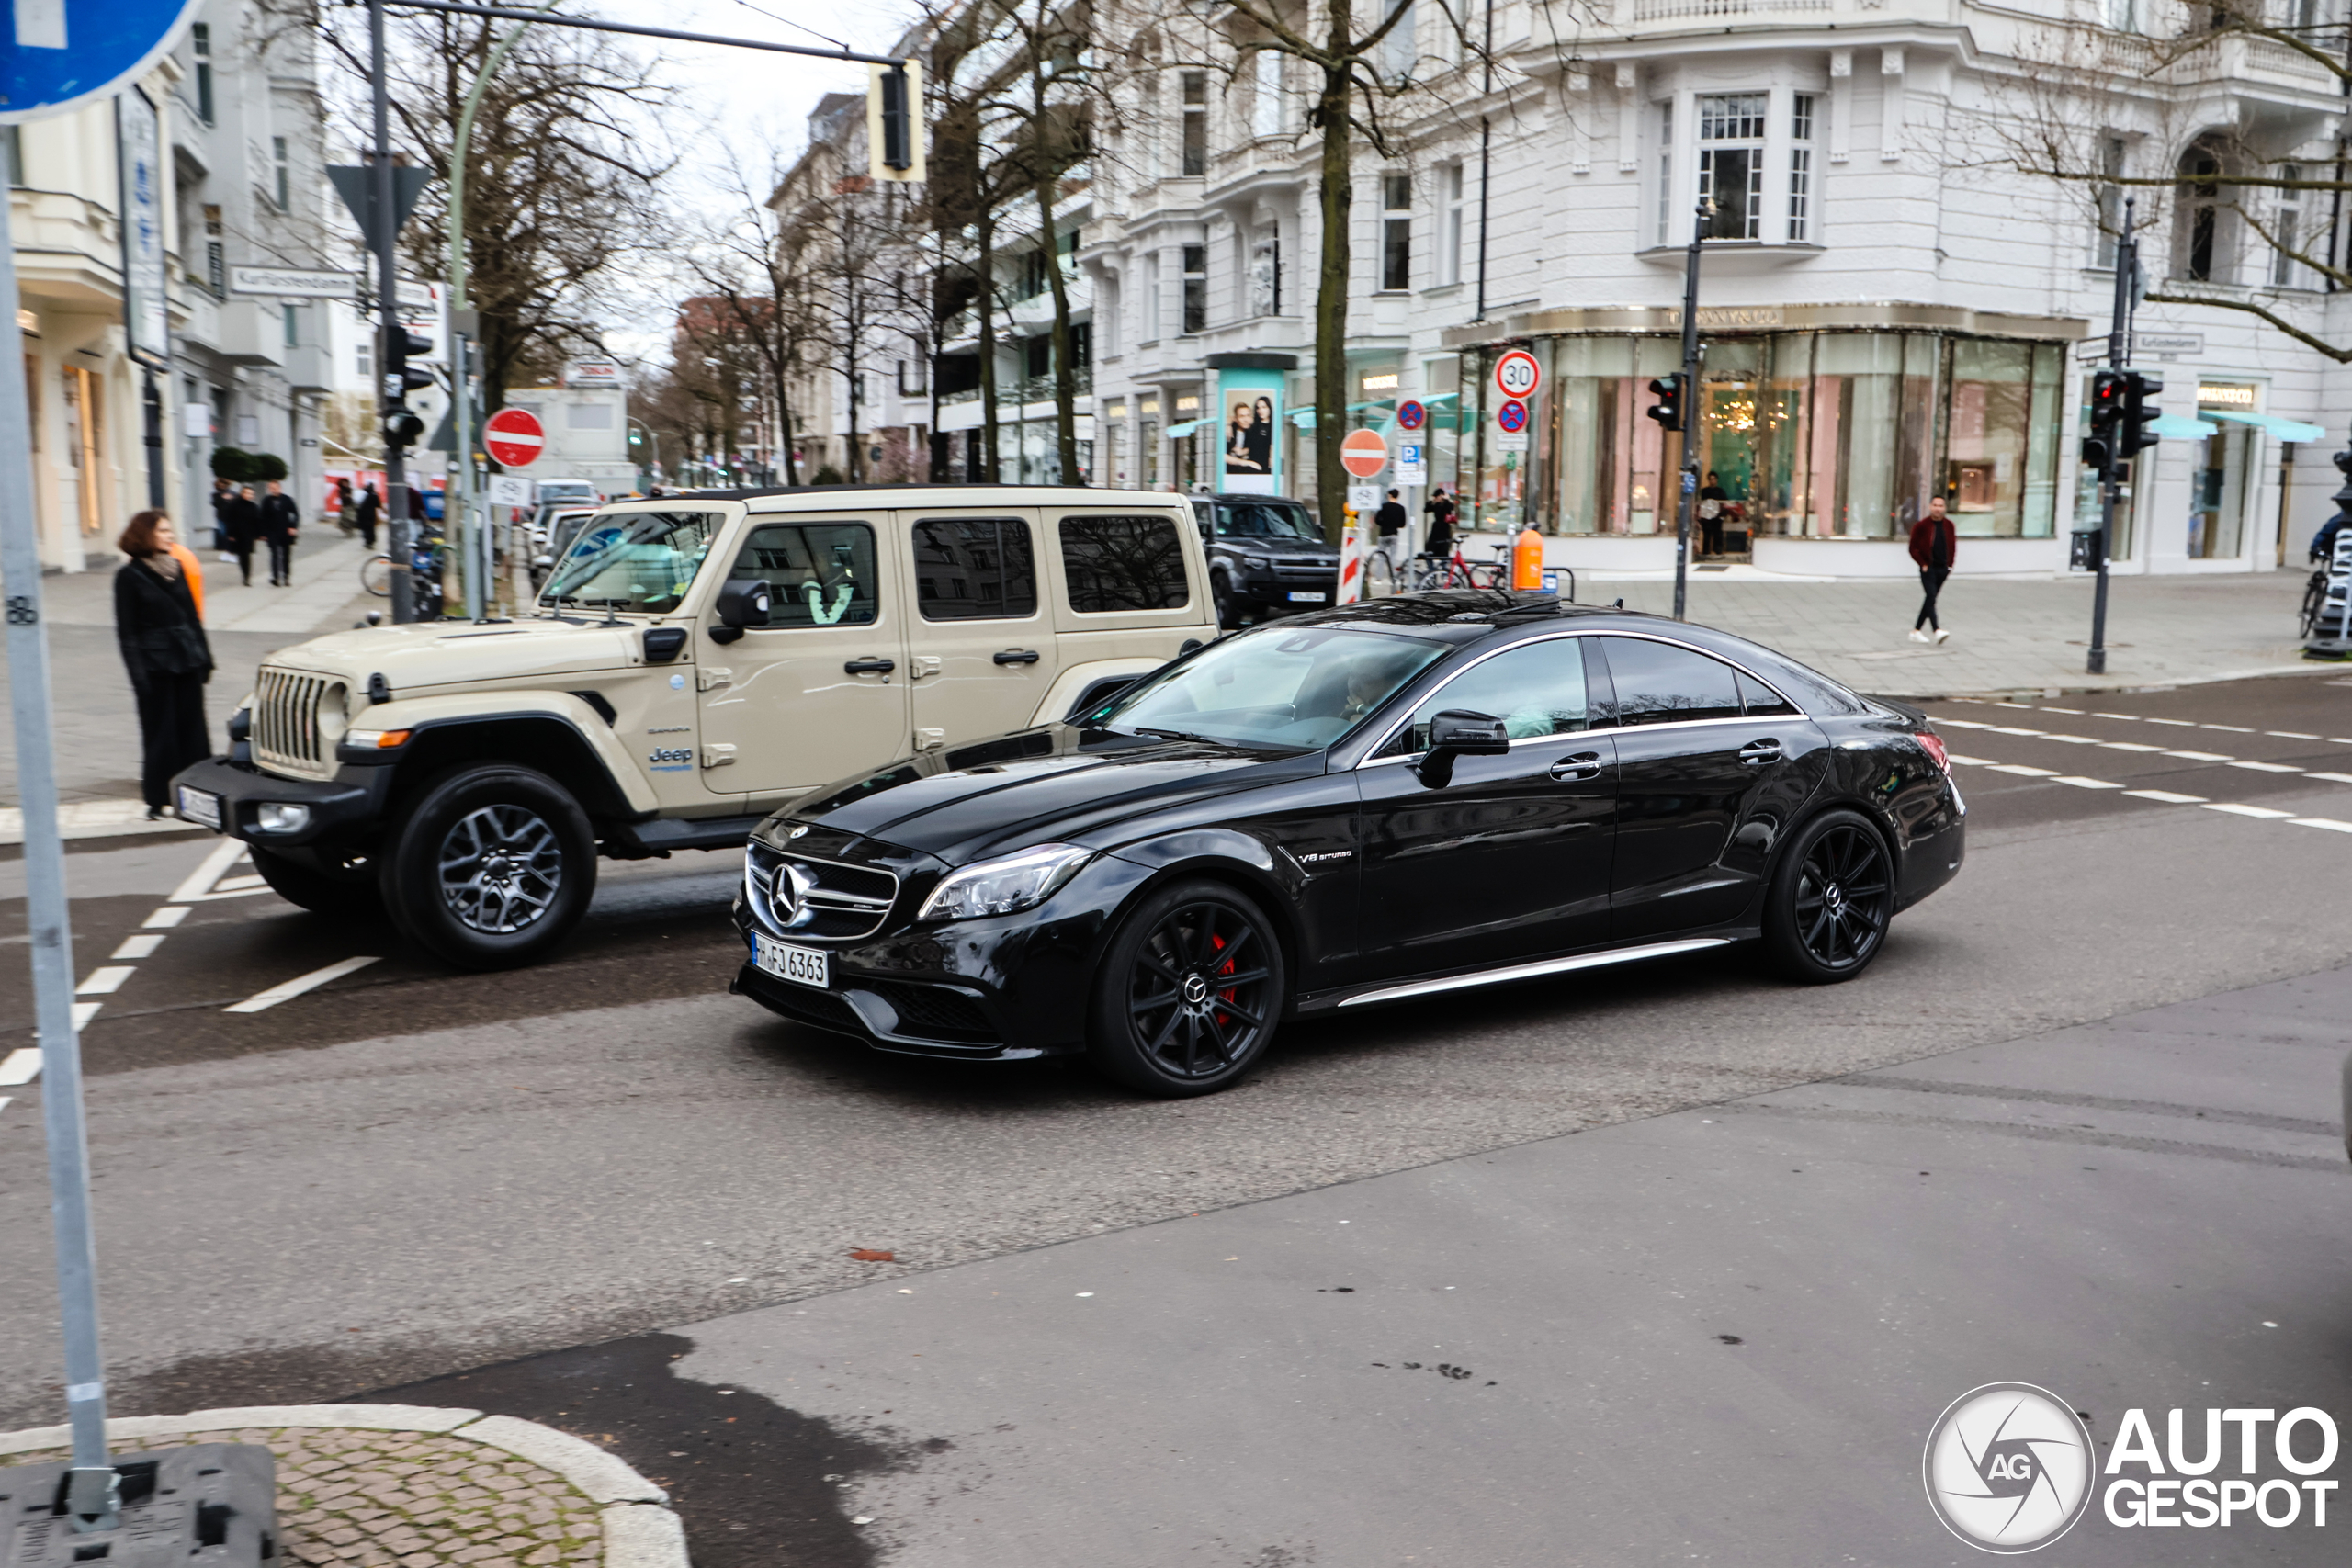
[1516,375]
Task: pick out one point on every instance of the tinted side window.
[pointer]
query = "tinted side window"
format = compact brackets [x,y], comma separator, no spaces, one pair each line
[974,568]
[822,572]
[1659,684]
[1124,563]
[1536,690]
[1762,700]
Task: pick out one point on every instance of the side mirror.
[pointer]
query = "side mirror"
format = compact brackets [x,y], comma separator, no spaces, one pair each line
[745,604]
[1458,732]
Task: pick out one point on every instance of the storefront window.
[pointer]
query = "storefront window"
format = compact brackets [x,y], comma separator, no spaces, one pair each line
[2217,491]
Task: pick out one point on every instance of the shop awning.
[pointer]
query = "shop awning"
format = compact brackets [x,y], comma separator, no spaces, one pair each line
[2180,427]
[2270,425]
[1302,419]
[1175,430]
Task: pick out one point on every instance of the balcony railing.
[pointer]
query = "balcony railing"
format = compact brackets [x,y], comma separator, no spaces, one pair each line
[1665,10]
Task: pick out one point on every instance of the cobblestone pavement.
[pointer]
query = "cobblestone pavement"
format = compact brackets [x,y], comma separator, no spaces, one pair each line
[369,1499]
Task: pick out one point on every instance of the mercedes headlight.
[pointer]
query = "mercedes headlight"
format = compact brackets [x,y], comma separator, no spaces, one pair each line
[1005,886]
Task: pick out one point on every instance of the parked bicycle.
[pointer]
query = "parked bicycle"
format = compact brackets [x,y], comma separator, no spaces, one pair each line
[424,575]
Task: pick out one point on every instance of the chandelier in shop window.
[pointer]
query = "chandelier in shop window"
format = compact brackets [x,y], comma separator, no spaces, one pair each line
[1735,411]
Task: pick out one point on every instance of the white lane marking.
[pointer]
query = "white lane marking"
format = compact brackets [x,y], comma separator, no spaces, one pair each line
[165,919]
[2023,772]
[1964,723]
[2266,767]
[2011,729]
[2085,784]
[2330,823]
[2128,717]
[4,1102]
[21,1065]
[2236,810]
[238,884]
[106,979]
[288,990]
[2073,739]
[2233,728]
[140,946]
[1971,761]
[2028,706]
[2339,740]
[2291,735]
[215,864]
[2170,797]
[2130,746]
[84,1013]
[2201,756]
[2331,778]
[2176,723]
[235,893]
[2047,708]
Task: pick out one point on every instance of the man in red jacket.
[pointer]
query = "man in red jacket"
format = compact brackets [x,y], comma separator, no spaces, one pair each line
[1934,544]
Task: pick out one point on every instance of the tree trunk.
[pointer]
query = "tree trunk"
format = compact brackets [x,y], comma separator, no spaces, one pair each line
[1336,196]
[783,420]
[1065,373]
[986,296]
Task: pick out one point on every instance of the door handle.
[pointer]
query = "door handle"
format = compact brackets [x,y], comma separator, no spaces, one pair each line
[1756,753]
[1018,655]
[869,666]
[1583,765]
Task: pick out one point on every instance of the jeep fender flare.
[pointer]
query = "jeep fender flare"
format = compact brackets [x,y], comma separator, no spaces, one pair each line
[555,732]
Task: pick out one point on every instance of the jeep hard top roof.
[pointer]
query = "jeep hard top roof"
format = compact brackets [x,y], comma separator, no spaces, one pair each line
[907,494]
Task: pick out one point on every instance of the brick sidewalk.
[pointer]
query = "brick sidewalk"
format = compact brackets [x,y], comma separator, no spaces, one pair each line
[368,1499]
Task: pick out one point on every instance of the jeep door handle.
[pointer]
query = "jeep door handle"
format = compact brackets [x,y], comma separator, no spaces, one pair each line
[1018,655]
[869,666]
[1756,753]
[1583,765]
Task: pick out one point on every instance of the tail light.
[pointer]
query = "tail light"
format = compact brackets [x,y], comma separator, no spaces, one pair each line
[1935,747]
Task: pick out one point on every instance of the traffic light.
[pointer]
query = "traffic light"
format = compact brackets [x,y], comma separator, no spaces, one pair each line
[2134,435]
[2106,411]
[1667,409]
[893,121]
[401,427]
[406,345]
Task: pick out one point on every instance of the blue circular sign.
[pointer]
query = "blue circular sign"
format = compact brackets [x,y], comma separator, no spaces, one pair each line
[1512,415]
[57,54]
[1411,415]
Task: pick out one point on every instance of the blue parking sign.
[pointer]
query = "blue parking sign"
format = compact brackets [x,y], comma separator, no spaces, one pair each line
[59,53]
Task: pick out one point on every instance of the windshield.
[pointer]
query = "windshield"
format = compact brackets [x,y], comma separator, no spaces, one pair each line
[633,561]
[1285,521]
[1299,688]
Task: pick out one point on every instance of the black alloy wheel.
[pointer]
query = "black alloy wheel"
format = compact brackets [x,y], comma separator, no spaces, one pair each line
[1832,898]
[346,890]
[489,867]
[1189,993]
[1228,611]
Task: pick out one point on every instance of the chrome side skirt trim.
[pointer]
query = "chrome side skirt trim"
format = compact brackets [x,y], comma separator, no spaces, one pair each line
[1528,971]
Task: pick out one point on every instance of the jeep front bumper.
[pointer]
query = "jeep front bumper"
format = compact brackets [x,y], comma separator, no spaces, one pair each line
[336,808]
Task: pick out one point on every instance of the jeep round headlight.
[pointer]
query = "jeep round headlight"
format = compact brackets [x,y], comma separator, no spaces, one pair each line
[335,716]
[1005,886]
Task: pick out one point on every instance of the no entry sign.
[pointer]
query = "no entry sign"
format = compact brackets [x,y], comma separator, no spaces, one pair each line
[513,438]
[1364,452]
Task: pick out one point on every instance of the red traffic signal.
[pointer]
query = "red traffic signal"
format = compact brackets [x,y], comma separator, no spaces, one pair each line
[1667,409]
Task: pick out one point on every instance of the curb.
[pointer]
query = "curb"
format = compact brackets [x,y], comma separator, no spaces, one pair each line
[640,1530]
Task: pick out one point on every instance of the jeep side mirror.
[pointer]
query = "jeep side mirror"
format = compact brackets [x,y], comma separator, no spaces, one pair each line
[742,603]
[1458,732]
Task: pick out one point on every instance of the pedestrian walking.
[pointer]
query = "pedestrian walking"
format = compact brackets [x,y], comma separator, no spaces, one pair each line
[1440,508]
[1390,520]
[241,514]
[370,506]
[345,504]
[224,492]
[280,519]
[1935,544]
[164,648]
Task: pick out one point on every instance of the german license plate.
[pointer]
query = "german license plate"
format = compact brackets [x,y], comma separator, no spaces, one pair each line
[1297,598]
[803,965]
[199,805]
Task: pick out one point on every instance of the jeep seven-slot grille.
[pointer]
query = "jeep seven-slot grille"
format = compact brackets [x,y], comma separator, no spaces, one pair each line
[794,895]
[286,723]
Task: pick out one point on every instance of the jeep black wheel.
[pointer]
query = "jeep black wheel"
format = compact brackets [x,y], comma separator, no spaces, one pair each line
[491,866]
[1189,993]
[1229,610]
[348,891]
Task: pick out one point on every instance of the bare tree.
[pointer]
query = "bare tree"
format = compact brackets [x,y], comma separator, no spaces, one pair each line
[759,273]
[560,172]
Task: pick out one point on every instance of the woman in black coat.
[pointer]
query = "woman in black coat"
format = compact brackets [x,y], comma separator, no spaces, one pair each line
[164,649]
[242,517]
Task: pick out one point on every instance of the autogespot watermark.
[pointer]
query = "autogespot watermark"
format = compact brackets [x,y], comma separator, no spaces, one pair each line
[2010,1467]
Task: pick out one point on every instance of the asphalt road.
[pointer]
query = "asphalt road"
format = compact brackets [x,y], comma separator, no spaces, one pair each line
[407,1180]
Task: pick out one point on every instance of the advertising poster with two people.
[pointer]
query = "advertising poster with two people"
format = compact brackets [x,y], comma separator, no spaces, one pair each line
[1251,402]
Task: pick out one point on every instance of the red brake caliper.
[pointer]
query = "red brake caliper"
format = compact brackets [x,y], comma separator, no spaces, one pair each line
[1226,968]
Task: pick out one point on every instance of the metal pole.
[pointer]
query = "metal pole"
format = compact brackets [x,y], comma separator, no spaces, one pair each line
[391,394]
[92,1493]
[151,399]
[1690,409]
[2127,258]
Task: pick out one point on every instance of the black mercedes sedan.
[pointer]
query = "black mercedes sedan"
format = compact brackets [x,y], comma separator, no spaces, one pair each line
[1403,798]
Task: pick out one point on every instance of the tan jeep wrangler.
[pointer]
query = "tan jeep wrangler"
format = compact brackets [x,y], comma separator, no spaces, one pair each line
[692,662]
